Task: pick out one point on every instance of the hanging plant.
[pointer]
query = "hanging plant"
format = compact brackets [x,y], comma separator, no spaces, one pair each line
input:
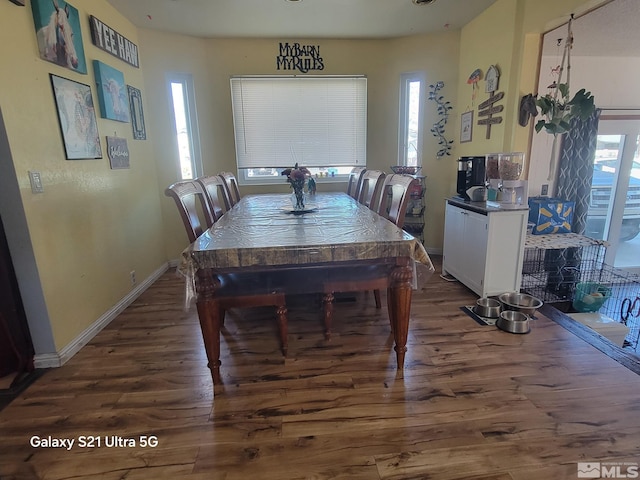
[444,107]
[559,109]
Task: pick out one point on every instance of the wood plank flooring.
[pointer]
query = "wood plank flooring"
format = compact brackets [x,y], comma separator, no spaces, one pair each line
[475,402]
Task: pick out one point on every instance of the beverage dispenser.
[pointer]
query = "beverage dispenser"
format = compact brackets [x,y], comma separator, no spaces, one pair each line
[504,170]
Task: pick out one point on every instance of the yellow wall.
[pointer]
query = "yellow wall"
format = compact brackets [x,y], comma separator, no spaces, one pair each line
[92,225]
[212,62]
[509,34]
[486,41]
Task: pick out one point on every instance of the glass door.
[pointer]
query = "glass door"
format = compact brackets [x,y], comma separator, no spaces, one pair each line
[614,211]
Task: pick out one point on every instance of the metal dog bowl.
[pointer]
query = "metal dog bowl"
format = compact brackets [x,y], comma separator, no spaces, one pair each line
[487,307]
[520,302]
[513,322]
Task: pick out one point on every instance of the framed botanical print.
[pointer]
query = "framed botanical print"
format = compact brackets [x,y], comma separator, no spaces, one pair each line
[77,118]
[466,126]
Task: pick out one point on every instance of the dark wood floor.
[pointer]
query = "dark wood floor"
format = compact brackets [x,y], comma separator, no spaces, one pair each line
[475,402]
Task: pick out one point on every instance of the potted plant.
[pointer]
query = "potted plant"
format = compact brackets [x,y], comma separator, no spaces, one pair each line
[558,110]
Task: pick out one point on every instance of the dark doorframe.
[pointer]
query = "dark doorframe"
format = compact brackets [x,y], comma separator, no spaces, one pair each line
[16,348]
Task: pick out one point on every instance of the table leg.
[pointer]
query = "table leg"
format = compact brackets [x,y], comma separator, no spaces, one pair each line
[209,313]
[327,302]
[281,314]
[399,307]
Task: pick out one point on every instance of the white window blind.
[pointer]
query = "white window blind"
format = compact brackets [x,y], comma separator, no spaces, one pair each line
[315,121]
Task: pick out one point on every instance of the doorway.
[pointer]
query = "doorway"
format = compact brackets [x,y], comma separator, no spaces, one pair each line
[614,210]
[16,348]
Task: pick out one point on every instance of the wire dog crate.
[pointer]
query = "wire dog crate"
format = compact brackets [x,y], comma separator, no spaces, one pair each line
[554,266]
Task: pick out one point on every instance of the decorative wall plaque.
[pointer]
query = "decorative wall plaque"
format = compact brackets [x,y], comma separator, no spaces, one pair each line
[491,79]
[294,56]
[107,39]
[137,115]
[489,110]
[118,152]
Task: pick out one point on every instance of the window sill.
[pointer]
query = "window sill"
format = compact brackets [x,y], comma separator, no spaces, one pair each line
[282,180]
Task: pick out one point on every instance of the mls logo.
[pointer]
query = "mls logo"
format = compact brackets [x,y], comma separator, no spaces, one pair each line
[589,470]
[608,470]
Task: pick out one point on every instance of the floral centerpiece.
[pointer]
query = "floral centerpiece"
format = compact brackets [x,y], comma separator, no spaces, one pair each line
[297,178]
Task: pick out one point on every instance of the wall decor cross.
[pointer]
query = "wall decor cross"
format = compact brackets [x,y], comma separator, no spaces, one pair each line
[489,110]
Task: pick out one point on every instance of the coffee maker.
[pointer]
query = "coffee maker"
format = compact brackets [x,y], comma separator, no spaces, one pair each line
[471,174]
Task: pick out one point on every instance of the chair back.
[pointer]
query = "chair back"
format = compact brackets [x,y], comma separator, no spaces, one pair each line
[370,188]
[395,196]
[187,194]
[215,193]
[231,184]
[354,181]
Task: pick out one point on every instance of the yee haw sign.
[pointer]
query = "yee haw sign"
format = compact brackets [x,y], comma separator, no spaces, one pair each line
[107,39]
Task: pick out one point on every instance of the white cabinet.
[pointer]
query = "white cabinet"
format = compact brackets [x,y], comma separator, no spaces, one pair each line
[483,248]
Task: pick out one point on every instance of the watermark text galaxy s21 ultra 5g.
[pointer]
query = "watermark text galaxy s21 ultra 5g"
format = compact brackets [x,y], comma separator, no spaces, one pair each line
[93,441]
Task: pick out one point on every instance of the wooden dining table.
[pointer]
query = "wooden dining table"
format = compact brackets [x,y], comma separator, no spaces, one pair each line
[335,237]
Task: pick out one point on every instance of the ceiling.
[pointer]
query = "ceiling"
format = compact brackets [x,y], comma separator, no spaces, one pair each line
[300,19]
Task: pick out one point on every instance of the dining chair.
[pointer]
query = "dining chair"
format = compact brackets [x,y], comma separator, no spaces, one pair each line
[396,191]
[246,290]
[394,197]
[231,185]
[190,198]
[355,178]
[215,193]
[233,290]
[370,187]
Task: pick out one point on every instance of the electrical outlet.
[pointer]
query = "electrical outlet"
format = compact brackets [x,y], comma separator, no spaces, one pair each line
[36,182]
[545,189]
[132,274]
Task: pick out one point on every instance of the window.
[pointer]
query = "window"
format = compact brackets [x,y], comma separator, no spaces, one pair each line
[317,121]
[186,123]
[614,201]
[411,113]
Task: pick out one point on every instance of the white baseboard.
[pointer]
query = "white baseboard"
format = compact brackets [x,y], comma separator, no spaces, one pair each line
[52,360]
[434,251]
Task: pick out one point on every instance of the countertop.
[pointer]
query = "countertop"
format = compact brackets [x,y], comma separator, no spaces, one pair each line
[484,207]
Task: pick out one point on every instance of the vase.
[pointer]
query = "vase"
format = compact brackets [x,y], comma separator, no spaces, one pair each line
[297,199]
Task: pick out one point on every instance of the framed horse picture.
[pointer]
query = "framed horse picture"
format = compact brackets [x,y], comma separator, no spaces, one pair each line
[58,33]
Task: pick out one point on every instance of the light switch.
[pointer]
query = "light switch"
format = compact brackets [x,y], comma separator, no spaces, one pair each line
[36,182]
